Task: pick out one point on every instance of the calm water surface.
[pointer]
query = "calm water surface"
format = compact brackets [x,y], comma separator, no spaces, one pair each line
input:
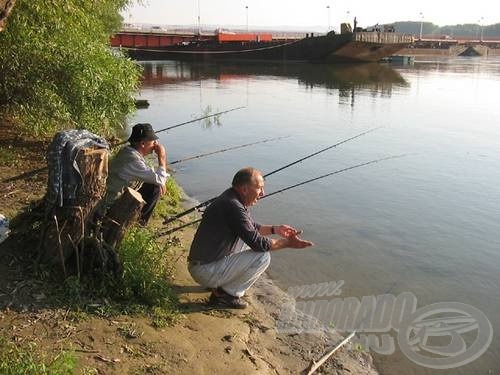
[427,223]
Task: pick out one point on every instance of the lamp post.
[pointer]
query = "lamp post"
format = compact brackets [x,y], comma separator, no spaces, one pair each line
[481,24]
[421,24]
[246,7]
[199,19]
[328,11]
[348,16]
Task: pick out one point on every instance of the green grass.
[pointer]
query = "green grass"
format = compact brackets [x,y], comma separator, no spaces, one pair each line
[146,275]
[143,288]
[148,266]
[9,158]
[25,360]
[170,202]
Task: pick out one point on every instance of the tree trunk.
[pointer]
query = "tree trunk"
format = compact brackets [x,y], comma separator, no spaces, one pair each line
[6,7]
[124,212]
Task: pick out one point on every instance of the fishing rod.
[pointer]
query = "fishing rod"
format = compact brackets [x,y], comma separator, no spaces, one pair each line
[39,170]
[187,122]
[25,175]
[170,231]
[207,202]
[227,149]
[320,151]
[333,173]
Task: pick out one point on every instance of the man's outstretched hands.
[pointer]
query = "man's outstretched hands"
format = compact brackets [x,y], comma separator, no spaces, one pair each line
[289,238]
[286,231]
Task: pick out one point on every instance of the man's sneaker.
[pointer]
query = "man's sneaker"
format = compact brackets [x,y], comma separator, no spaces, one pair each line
[226,300]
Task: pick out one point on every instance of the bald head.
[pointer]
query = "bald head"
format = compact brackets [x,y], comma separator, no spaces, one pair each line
[245,176]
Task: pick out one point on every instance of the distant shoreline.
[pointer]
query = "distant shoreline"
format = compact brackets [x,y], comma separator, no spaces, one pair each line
[437,52]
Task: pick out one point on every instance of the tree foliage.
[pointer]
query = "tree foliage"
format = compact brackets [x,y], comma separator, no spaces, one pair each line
[58,70]
[470,30]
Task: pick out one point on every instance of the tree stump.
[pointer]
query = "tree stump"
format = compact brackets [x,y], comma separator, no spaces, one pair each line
[66,227]
[121,215]
[77,236]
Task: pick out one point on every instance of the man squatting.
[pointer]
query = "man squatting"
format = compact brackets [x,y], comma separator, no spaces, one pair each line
[218,257]
[129,169]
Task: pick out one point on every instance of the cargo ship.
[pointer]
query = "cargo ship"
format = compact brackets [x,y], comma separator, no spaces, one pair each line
[346,47]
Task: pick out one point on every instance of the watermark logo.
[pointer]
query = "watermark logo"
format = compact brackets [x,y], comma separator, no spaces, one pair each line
[441,336]
[448,321]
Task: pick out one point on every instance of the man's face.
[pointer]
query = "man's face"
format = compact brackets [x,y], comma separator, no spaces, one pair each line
[148,147]
[253,191]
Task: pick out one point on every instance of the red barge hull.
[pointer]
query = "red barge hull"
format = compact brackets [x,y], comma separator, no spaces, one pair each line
[331,48]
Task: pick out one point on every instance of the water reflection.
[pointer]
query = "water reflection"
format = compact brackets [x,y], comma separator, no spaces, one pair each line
[347,79]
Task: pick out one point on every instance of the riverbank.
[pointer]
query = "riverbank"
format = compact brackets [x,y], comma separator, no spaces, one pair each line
[201,341]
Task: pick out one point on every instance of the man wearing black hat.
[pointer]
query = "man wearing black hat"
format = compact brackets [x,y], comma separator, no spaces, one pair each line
[129,169]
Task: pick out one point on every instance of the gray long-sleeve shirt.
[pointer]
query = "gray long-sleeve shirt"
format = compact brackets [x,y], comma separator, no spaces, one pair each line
[129,169]
[224,222]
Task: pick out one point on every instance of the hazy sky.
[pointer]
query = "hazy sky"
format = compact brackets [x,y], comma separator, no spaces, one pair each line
[312,12]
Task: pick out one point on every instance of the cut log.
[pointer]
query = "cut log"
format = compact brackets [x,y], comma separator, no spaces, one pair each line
[121,215]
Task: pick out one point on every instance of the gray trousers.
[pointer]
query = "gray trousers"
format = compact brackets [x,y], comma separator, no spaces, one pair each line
[234,273]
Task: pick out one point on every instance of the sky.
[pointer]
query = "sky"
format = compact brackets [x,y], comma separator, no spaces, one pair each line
[302,13]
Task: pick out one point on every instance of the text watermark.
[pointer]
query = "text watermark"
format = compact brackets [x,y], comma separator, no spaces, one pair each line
[442,335]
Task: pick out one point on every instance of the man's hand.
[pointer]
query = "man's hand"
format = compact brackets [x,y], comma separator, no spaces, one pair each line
[298,243]
[292,241]
[161,152]
[285,231]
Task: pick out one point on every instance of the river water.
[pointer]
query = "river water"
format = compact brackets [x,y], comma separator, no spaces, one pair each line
[427,223]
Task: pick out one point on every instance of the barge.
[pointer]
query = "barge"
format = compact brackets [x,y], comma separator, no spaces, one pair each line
[346,47]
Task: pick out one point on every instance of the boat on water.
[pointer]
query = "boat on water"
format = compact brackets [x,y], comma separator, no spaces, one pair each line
[346,47]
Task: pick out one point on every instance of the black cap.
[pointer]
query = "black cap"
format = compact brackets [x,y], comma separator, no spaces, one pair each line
[142,132]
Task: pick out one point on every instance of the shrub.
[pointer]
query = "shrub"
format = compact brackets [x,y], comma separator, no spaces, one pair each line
[58,70]
[145,268]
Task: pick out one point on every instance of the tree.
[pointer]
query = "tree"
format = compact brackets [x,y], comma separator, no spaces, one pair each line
[463,30]
[58,70]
